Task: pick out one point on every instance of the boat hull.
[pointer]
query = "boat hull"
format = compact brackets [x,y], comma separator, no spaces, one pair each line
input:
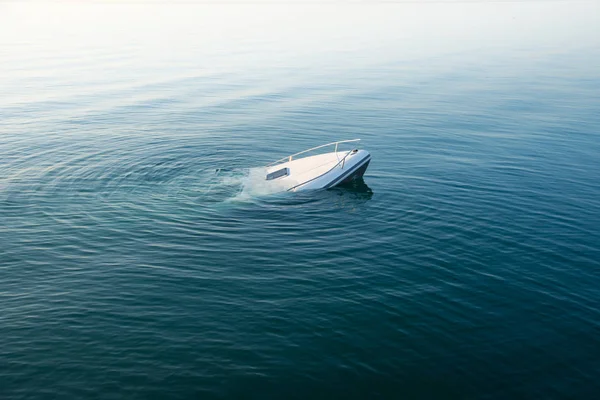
[358,174]
[321,171]
[353,168]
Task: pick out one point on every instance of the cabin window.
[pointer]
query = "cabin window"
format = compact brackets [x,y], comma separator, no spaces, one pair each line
[278,174]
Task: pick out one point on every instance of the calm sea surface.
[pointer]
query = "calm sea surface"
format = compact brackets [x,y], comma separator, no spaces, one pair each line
[141,256]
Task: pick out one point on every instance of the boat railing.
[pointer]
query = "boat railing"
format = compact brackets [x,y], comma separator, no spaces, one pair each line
[291,157]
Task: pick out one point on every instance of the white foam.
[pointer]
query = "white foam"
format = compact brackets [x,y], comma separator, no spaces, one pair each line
[254,184]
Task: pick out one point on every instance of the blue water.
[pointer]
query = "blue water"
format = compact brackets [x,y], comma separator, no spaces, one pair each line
[141,257]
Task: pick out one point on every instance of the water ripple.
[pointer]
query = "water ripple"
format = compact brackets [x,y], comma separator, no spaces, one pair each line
[141,255]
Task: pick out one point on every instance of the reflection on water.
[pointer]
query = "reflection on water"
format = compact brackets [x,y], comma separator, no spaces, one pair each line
[143,256]
[358,187]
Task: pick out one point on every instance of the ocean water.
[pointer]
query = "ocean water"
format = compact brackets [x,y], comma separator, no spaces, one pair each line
[142,257]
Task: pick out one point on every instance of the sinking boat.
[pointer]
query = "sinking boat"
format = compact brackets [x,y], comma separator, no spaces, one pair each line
[321,171]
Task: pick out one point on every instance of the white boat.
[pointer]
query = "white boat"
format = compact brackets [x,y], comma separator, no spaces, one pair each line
[320,171]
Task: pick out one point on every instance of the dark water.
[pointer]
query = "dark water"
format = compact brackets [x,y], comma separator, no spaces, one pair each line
[140,257]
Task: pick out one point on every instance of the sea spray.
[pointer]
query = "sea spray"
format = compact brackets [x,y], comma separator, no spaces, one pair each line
[254,184]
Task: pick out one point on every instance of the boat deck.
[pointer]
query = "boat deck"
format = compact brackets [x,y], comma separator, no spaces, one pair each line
[307,168]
